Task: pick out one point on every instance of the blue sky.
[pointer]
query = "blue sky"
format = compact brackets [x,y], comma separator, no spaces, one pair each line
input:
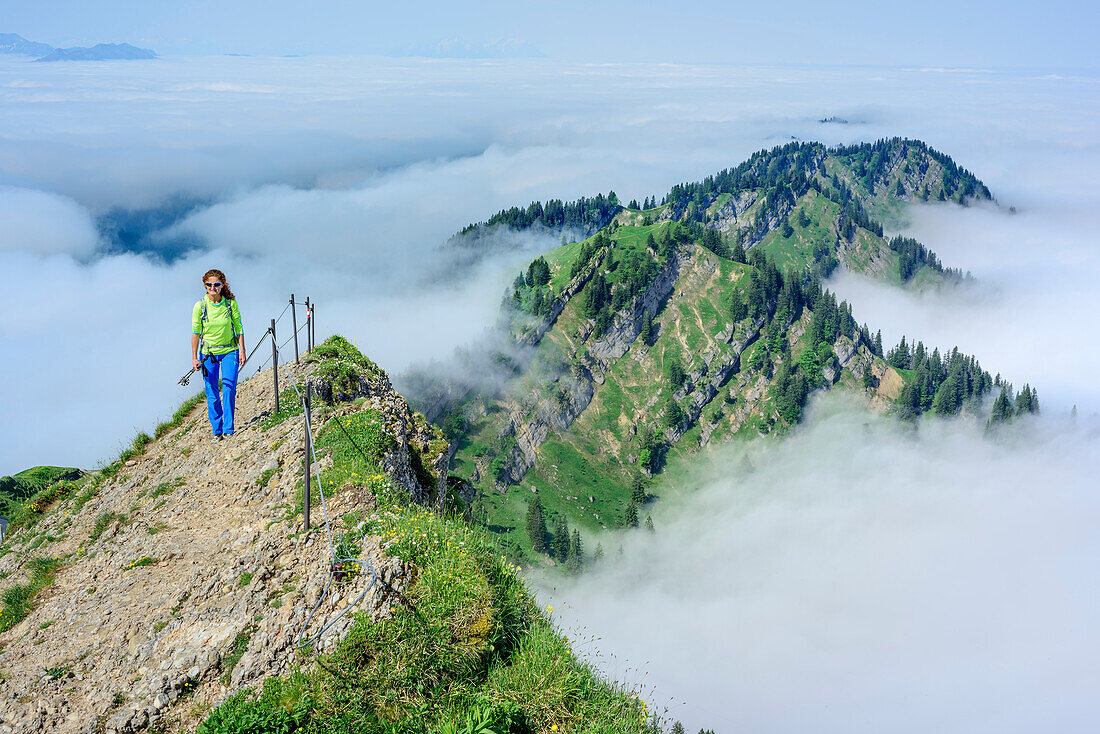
[981,34]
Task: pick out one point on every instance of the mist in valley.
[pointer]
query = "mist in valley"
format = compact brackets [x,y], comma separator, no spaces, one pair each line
[862,574]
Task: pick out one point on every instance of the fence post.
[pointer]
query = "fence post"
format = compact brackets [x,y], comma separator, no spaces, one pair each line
[313,323]
[309,454]
[294,325]
[275,363]
[309,326]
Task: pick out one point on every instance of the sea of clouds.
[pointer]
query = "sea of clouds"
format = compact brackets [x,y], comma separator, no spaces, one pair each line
[339,178]
[862,575]
[897,580]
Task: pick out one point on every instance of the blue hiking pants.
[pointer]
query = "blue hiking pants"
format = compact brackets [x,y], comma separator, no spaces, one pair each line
[220,407]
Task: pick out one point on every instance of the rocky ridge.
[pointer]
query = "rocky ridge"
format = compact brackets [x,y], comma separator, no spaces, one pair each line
[187,576]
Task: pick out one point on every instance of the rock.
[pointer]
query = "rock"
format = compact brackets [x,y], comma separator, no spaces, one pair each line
[161,701]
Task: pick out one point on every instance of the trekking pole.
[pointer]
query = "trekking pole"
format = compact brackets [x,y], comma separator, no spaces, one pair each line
[294,325]
[309,452]
[275,363]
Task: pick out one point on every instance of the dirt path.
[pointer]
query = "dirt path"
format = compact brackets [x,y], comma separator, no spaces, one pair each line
[195,561]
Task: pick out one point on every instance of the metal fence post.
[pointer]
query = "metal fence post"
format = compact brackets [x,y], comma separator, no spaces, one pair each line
[275,363]
[309,453]
[294,325]
[313,323]
[309,326]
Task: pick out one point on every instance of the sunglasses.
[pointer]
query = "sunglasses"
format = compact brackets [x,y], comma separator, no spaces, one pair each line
[213,285]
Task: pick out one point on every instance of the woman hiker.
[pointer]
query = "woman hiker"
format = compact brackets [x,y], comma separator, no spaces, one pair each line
[217,330]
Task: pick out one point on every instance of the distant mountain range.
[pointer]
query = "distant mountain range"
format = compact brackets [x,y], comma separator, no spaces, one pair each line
[12,43]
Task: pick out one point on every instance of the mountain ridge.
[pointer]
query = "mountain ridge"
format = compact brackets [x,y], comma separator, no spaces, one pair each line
[730,269]
[100,52]
[169,590]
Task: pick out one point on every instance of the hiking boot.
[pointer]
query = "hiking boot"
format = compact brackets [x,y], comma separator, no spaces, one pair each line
[216,438]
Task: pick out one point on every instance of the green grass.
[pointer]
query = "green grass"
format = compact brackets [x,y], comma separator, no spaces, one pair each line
[143,561]
[357,444]
[102,522]
[27,513]
[236,652]
[342,366]
[28,482]
[290,406]
[166,487]
[469,645]
[18,601]
[178,417]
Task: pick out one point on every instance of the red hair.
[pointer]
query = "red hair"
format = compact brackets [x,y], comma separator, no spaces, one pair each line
[225,283]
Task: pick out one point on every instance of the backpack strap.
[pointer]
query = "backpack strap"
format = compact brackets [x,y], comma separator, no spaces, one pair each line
[232,324]
[202,330]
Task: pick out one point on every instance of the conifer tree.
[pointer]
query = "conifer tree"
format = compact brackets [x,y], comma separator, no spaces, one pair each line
[536,525]
[675,373]
[737,254]
[598,553]
[868,377]
[646,334]
[677,728]
[632,515]
[576,553]
[674,414]
[1002,409]
[637,491]
[649,524]
[561,540]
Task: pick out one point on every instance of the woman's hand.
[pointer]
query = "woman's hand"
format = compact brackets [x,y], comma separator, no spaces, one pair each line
[243,357]
[195,364]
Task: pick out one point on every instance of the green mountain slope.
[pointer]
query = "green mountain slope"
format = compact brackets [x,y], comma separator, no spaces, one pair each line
[693,321]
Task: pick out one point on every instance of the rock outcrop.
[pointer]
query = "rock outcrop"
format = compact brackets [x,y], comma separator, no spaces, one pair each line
[188,576]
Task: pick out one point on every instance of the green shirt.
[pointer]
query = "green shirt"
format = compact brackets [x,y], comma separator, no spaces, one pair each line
[222,327]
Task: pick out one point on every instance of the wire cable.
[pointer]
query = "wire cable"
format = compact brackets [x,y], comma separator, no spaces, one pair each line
[337,562]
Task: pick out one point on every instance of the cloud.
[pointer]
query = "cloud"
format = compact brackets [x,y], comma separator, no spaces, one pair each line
[1032,309]
[455,48]
[847,583]
[339,177]
[42,222]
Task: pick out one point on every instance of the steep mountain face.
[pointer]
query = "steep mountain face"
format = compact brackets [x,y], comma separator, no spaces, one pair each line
[185,575]
[689,322]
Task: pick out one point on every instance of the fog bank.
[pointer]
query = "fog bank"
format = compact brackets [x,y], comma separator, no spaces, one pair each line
[1031,313]
[864,576]
[340,177]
